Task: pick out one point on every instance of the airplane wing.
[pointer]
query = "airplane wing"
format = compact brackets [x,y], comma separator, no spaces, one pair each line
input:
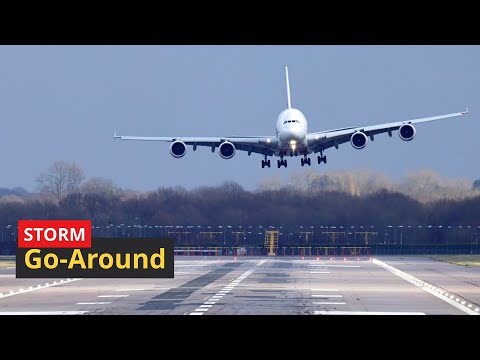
[264,145]
[326,139]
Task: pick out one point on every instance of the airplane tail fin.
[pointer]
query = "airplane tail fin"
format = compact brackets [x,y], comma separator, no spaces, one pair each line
[288,89]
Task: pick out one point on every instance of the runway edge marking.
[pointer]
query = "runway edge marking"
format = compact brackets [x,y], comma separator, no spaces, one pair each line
[430,288]
[37,287]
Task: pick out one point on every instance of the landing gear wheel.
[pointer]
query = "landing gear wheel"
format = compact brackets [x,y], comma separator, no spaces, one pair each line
[322,159]
[281,162]
[305,160]
[265,163]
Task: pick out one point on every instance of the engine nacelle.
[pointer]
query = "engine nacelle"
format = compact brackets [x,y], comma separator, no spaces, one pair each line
[358,140]
[178,149]
[226,150]
[406,132]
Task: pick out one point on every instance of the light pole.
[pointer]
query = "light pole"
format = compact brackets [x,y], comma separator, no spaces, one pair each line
[388,239]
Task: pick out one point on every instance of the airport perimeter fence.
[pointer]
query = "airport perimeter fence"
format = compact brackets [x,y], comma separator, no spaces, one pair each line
[9,248]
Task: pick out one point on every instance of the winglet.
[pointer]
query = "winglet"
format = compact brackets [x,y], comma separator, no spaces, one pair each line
[465,112]
[288,89]
[115,135]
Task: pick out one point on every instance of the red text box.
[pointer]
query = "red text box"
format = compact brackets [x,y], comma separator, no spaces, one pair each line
[54,234]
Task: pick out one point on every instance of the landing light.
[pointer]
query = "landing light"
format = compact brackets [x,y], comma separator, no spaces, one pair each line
[318,258]
[344,259]
[293,142]
[303,258]
[268,140]
[317,137]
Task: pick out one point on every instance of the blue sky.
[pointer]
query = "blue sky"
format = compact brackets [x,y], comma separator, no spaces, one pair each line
[65,102]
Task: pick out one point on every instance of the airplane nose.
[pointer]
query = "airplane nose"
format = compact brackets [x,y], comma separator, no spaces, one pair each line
[298,134]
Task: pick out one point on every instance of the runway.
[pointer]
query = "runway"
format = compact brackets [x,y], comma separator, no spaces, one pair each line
[259,286]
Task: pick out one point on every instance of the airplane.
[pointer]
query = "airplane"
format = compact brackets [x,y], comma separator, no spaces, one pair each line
[292,137]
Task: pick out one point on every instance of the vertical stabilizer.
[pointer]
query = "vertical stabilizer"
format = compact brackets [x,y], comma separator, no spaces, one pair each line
[288,89]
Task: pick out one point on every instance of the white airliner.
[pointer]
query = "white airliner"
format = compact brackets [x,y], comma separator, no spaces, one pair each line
[292,137]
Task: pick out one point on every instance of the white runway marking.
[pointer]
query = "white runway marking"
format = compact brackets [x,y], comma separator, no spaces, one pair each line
[95,303]
[327,295]
[339,266]
[136,289]
[225,290]
[430,288]
[193,265]
[366,313]
[38,287]
[319,272]
[43,312]
[112,296]
[328,303]
[324,290]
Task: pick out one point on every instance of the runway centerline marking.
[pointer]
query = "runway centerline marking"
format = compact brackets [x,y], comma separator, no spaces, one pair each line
[325,290]
[425,286]
[225,290]
[319,272]
[112,296]
[327,295]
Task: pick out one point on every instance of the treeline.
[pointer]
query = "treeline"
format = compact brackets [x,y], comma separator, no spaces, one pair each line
[230,204]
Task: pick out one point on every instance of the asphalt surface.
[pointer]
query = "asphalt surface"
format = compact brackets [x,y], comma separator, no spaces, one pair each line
[270,286]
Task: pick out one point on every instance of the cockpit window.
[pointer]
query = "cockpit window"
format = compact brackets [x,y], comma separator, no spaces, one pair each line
[292,121]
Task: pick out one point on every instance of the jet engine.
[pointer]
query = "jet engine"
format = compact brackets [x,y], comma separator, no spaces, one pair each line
[178,149]
[406,132]
[226,150]
[358,140]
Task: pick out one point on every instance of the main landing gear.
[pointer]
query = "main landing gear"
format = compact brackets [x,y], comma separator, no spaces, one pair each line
[265,162]
[281,162]
[322,158]
[305,160]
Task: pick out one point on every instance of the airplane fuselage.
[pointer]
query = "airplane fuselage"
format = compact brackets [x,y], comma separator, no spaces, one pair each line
[292,129]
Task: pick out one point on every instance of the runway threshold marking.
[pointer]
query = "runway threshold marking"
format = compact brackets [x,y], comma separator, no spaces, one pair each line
[335,312]
[207,305]
[430,288]
[37,287]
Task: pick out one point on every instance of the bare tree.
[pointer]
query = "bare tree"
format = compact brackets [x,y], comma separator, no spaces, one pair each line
[60,179]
